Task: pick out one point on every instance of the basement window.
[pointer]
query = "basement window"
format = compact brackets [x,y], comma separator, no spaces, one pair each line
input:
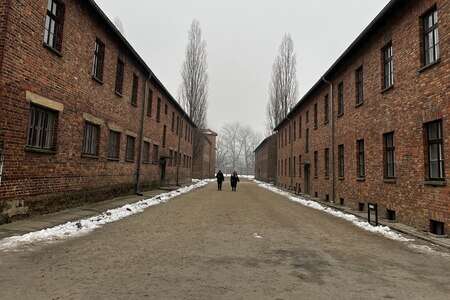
[361,206]
[341,201]
[437,227]
[327,198]
[391,215]
[316,195]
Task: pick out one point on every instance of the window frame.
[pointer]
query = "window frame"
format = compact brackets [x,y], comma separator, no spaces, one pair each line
[326,109]
[117,146]
[360,159]
[387,53]
[130,154]
[98,61]
[434,31]
[389,151]
[120,75]
[341,161]
[91,149]
[135,90]
[429,143]
[359,86]
[146,155]
[47,136]
[54,16]
[341,100]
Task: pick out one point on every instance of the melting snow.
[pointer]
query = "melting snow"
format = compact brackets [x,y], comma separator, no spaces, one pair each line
[82,227]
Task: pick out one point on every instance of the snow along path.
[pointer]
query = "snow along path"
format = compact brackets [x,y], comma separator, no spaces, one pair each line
[85,226]
[383,230]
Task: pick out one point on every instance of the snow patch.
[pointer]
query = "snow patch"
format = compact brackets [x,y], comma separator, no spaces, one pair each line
[383,230]
[427,250]
[85,226]
[257,236]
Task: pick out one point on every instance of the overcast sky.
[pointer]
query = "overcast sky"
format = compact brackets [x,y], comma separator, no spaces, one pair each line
[243,37]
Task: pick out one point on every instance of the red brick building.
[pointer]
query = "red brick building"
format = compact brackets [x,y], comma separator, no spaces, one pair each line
[375,128]
[204,161]
[266,160]
[82,116]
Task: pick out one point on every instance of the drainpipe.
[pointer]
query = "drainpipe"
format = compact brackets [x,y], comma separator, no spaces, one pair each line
[180,131]
[333,141]
[137,187]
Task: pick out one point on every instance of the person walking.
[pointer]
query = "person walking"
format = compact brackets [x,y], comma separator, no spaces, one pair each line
[220,180]
[234,181]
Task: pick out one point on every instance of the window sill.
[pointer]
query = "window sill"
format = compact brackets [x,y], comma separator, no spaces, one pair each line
[341,178]
[40,150]
[113,159]
[88,156]
[385,90]
[340,115]
[53,50]
[429,66]
[359,104]
[98,80]
[147,162]
[118,94]
[129,161]
[435,182]
[361,179]
[390,180]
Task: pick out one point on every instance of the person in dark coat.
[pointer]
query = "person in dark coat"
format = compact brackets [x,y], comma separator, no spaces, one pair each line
[220,179]
[234,181]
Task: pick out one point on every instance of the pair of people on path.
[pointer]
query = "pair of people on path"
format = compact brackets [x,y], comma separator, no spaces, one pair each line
[221,178]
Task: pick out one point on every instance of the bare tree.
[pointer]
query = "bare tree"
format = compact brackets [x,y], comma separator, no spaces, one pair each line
[194,86]
[283,85]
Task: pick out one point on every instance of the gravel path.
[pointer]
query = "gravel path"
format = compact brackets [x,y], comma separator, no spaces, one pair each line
[252,244]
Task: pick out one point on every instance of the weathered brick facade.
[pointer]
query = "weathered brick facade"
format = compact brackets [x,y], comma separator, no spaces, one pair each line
[266,160]
[204,162]
[419,95]
[62,81]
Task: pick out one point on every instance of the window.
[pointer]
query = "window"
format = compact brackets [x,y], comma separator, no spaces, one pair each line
[388,66]
[299,166]
[431,51]
[42,128]
[316,164]
[341,99]
[294,129]
[307,141]
[326,109]
[166,109]
[435,151]
[316,118]
[327,162]
[150,103]
[114,145]
[294,168]
[119,76]
[91,139]
[54,24]
[99,59]
[359,84]
[341,161]
[178,125]
[173,121]
[164,136]
[361,166]
[146,153]
[155,153]
[130,148]
[158,111]
[300,128]
[389,155]
[134,91]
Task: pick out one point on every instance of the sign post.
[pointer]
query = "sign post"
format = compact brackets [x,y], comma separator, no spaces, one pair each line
[372,210]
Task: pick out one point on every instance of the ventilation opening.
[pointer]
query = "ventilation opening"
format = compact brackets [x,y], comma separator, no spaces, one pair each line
[316,195]
[341,201]
[327,198]
[391,215]
[361,206]
[437,227]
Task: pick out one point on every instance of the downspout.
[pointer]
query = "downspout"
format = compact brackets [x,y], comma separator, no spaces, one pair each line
[333,141]
[180,133]
[137,187]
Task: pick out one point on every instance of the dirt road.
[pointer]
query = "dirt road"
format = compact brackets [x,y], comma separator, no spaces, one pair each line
[252,244]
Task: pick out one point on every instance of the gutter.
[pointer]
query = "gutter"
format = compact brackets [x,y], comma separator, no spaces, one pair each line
[332,141]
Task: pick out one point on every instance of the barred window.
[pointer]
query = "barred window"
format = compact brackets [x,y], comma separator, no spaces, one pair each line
[300,127]
[99,59]
[341,99]
[91,139]
[164,136]
[119,76]
[388,66]
[361,168]
[54,24]
[114,145]
[307,141]
[430,37]
[155,153]
[316,164]
[326,109]
[158,111]
[299,166]
[134,92]
[389,155]
[434,147]
[146,153]
[130,148]
[150,103]
[316,117]
[341,161]
[327,162]
[359,83]
[42,128]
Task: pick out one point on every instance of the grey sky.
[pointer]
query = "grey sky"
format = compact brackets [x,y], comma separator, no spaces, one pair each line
[243,37]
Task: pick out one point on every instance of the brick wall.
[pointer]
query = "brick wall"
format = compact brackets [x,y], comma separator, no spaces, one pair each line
[45,180]
[266,160]
[205,155]
[417,97]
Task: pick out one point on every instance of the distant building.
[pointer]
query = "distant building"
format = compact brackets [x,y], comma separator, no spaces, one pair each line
[82,116]
[375,128]
[266,160]
[204,162]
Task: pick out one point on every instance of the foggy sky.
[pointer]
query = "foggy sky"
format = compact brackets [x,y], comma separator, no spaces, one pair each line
[243,37]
